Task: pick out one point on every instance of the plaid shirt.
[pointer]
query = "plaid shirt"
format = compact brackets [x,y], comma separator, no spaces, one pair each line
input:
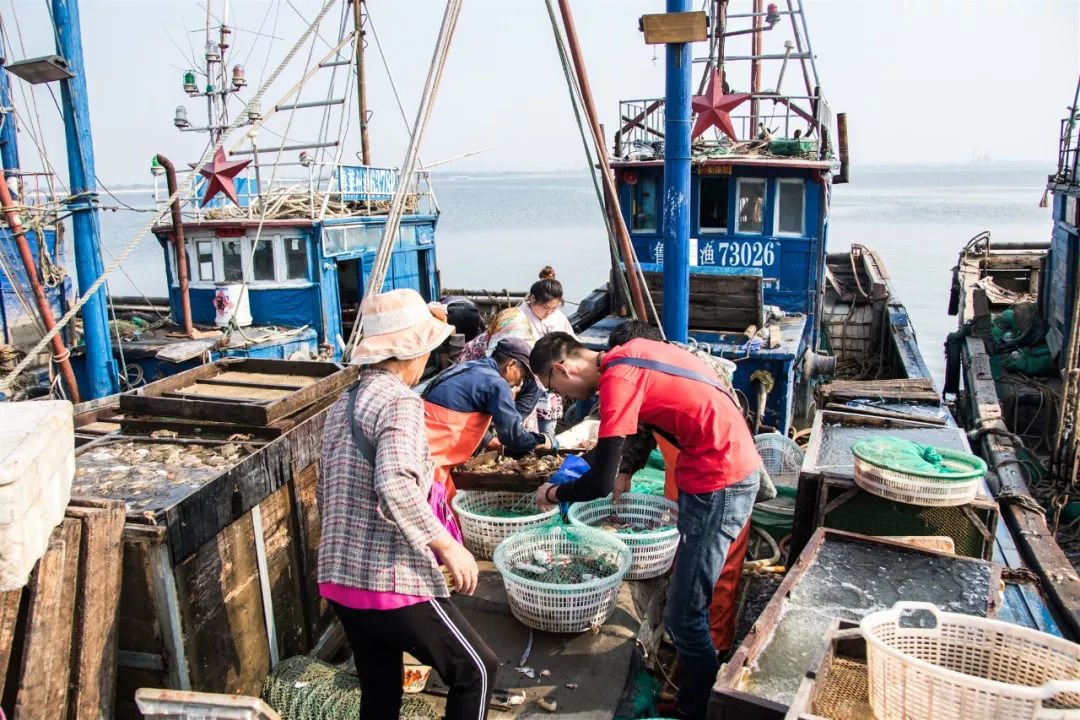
[376,521]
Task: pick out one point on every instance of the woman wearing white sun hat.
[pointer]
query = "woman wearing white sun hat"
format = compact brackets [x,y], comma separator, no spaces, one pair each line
[379,534]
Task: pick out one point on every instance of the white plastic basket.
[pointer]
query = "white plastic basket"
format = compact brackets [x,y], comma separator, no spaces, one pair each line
[561,608]
[781,456]
[913,489]
[482,533]
[965,667]
[652,551]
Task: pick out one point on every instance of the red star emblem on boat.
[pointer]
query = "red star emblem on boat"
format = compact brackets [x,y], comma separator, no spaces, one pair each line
[714,108]
[220,174]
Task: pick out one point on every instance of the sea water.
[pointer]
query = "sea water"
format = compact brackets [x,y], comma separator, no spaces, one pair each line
[498,230]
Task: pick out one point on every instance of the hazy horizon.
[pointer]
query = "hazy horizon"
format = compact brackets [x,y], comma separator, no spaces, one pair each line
[923,83]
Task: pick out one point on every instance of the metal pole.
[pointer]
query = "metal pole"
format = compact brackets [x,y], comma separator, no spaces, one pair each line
[755,68]
[676,212]
[83,203]
[9,148]
[178,245]
[610,196]
[361,85]
[60,353]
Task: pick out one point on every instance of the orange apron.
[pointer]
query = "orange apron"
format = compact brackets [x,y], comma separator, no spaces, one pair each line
[452,437]
[722,607]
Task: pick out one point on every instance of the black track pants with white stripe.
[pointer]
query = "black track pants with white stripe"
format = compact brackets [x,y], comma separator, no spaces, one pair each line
[435,633]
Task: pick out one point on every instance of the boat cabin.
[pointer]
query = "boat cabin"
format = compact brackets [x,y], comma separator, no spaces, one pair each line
[758,231]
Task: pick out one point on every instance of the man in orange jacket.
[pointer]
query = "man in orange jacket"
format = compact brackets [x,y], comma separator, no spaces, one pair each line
[722,608]
[680,397]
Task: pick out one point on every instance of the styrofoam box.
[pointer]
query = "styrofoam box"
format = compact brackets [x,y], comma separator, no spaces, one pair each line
[37,465]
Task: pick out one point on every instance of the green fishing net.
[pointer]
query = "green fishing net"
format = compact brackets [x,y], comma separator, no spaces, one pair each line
[650,479]
[1004,327]
[905,456]
[560,554]
[303,688]
[524,506]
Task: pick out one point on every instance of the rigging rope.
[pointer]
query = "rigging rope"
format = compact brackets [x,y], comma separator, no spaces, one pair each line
[408,169]
[574,90]
[187,191]
[249,274]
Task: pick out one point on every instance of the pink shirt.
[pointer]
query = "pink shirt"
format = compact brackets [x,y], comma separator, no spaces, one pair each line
[358,599]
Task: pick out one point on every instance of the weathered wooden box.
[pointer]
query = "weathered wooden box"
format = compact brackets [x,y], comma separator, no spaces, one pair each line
[220,553]
[828,496]
[843,575]
[242,390]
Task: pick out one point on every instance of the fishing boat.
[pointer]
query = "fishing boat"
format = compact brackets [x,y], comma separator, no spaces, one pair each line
[718,229]
[1012,370]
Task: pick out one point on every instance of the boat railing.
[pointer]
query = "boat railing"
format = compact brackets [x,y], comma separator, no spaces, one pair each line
[1069,147]
[320,190]
[641,130]
[35,197]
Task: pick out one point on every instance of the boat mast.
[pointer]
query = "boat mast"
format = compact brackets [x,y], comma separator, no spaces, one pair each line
[83,202]
[9,149]
[676,312]
[361,86]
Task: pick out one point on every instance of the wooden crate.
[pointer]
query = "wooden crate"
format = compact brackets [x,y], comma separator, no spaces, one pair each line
[220,583]
[508,482]
[240,390]
[730,701]
[58,634]
[718,303]
[839,504]
[828,496]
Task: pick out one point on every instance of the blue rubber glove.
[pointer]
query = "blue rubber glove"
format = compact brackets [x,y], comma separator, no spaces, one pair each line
[571,469]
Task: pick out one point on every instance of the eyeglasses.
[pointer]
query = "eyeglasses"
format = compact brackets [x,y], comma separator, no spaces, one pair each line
[550,371]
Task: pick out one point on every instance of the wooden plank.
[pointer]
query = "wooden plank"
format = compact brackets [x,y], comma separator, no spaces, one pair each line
[1038,545]
[195,409]
[676,27]
[71,530]
[44,634]
[906,389]
[495,482]
[224,397]
[182,351]
[247,384]
[143,425]
[309,530]
[284,570]
[224,634]
[93,678]
[9,616]
[892,415]
[138,629]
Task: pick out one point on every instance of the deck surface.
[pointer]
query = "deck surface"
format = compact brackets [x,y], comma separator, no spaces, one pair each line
[598,663]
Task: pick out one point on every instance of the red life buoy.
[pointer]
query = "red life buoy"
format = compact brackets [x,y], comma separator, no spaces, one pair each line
[630,177]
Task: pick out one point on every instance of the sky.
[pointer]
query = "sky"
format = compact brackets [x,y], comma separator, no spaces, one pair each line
[922,81]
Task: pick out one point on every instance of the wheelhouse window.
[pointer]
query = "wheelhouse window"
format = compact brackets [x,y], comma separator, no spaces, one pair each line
[295,259]
[232,260]
[204,259]
[751,206]
[262,261]
[643,204]
[790,207]
[713,205]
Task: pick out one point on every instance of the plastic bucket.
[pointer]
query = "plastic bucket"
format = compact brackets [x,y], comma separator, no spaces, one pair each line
[230,299]
[775,516]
